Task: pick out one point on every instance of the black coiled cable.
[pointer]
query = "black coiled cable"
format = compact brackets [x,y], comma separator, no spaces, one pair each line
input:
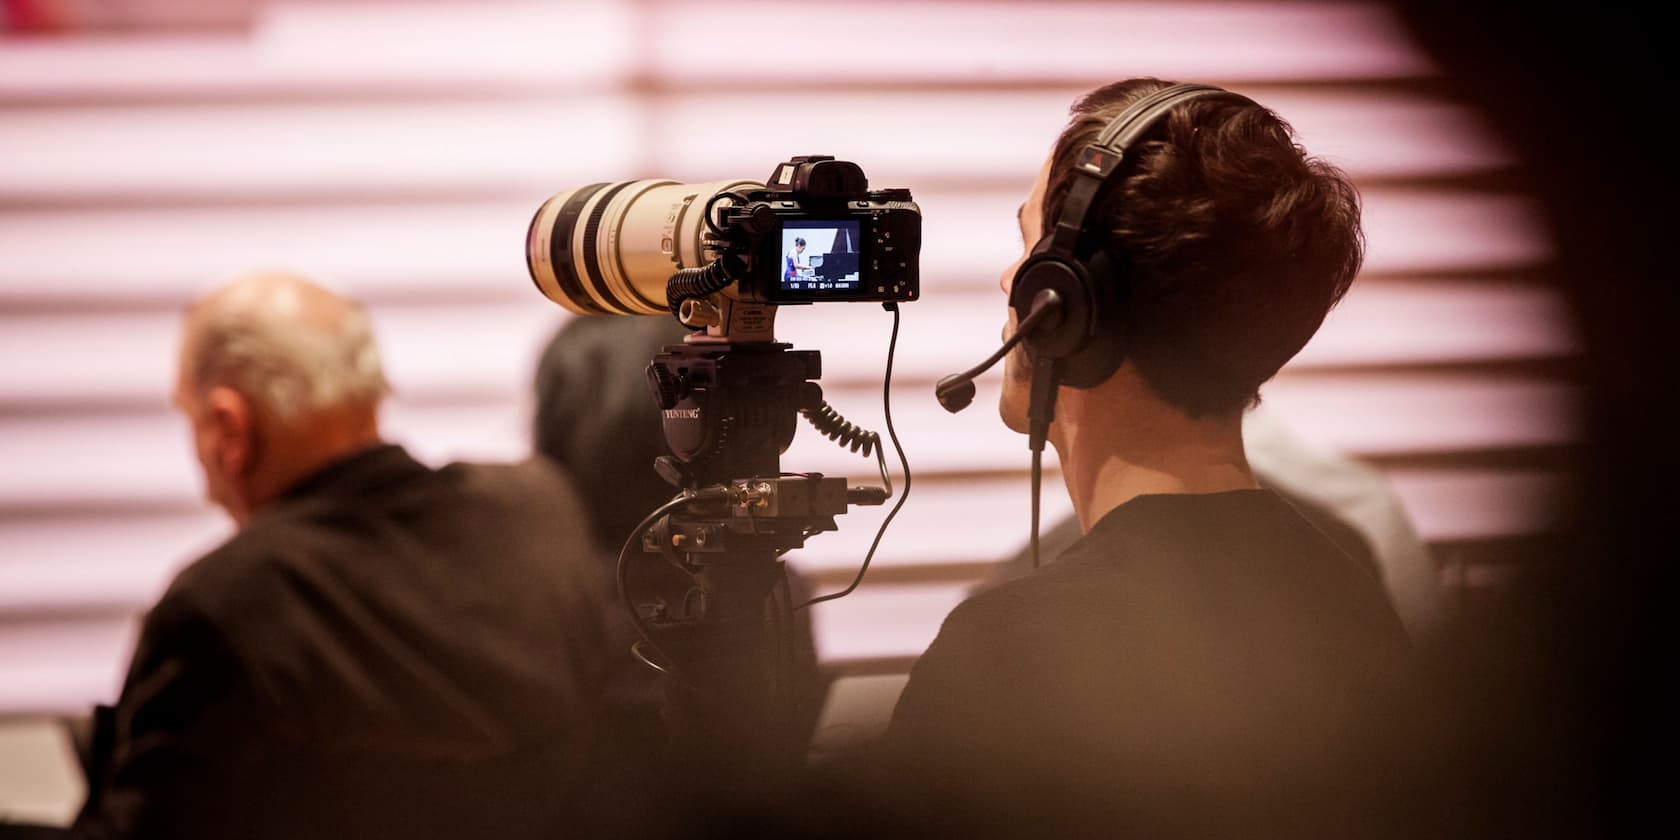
[690,283]
[838,429]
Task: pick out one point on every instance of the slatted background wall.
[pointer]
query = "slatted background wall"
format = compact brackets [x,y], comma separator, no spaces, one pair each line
[397,151]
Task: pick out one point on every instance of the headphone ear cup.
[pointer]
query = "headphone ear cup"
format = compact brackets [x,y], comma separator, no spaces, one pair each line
[1065,333]
[1101,354]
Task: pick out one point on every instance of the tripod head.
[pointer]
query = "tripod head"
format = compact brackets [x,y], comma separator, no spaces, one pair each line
[729,410]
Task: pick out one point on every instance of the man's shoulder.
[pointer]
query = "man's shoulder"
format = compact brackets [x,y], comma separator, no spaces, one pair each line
[295,535]
[995,649]
[235,560]
[1011,610]
[229,599]
[256,570]
[536,493]
[534,478]
[240,573]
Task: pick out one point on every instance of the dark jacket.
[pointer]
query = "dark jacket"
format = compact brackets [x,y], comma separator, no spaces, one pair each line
[1195,664]
[386,651]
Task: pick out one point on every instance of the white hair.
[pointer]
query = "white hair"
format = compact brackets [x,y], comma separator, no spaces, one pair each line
[289,365]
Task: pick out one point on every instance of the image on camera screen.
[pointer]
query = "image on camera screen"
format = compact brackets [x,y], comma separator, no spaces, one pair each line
[820,255]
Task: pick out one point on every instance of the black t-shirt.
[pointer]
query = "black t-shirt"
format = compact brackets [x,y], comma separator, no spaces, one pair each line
[1193,663]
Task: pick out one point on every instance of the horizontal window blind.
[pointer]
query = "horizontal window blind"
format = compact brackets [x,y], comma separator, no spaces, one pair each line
[397,151]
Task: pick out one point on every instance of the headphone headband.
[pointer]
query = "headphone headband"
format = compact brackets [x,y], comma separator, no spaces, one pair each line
[1148,109]
[1098,160]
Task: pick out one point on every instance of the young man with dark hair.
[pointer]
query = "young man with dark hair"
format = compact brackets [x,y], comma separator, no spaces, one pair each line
[1202,659]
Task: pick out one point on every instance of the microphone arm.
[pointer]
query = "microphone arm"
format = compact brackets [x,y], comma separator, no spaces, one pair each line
[956,392]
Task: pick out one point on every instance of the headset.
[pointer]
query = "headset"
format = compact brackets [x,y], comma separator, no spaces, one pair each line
[1069,294]
[1085,341]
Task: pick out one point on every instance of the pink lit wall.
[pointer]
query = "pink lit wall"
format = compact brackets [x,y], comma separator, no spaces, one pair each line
[397,150]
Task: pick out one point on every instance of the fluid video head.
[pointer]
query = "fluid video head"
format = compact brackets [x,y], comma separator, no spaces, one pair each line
[814,232]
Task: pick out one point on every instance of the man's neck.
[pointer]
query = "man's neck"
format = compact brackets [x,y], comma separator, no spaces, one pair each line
[309,447]
[1119,441]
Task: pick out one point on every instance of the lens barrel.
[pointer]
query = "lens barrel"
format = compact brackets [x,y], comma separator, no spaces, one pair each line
[609,248]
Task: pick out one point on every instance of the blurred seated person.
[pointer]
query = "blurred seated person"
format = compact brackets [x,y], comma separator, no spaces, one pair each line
[596,416]
[382,649]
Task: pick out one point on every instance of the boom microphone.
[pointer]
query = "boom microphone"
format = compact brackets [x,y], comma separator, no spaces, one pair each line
[956,392]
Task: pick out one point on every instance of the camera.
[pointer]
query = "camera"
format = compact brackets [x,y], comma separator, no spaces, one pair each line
[813,232]
[722,257]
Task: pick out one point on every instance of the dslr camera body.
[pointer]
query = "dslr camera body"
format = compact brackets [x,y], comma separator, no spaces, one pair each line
[817,233]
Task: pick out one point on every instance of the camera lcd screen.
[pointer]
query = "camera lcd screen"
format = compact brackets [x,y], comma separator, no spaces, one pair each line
[820,258]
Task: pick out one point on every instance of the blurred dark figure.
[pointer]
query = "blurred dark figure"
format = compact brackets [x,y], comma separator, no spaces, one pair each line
[596,416]
[1560,724]
[382,649]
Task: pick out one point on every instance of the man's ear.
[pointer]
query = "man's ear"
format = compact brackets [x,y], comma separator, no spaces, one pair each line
[233,426]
